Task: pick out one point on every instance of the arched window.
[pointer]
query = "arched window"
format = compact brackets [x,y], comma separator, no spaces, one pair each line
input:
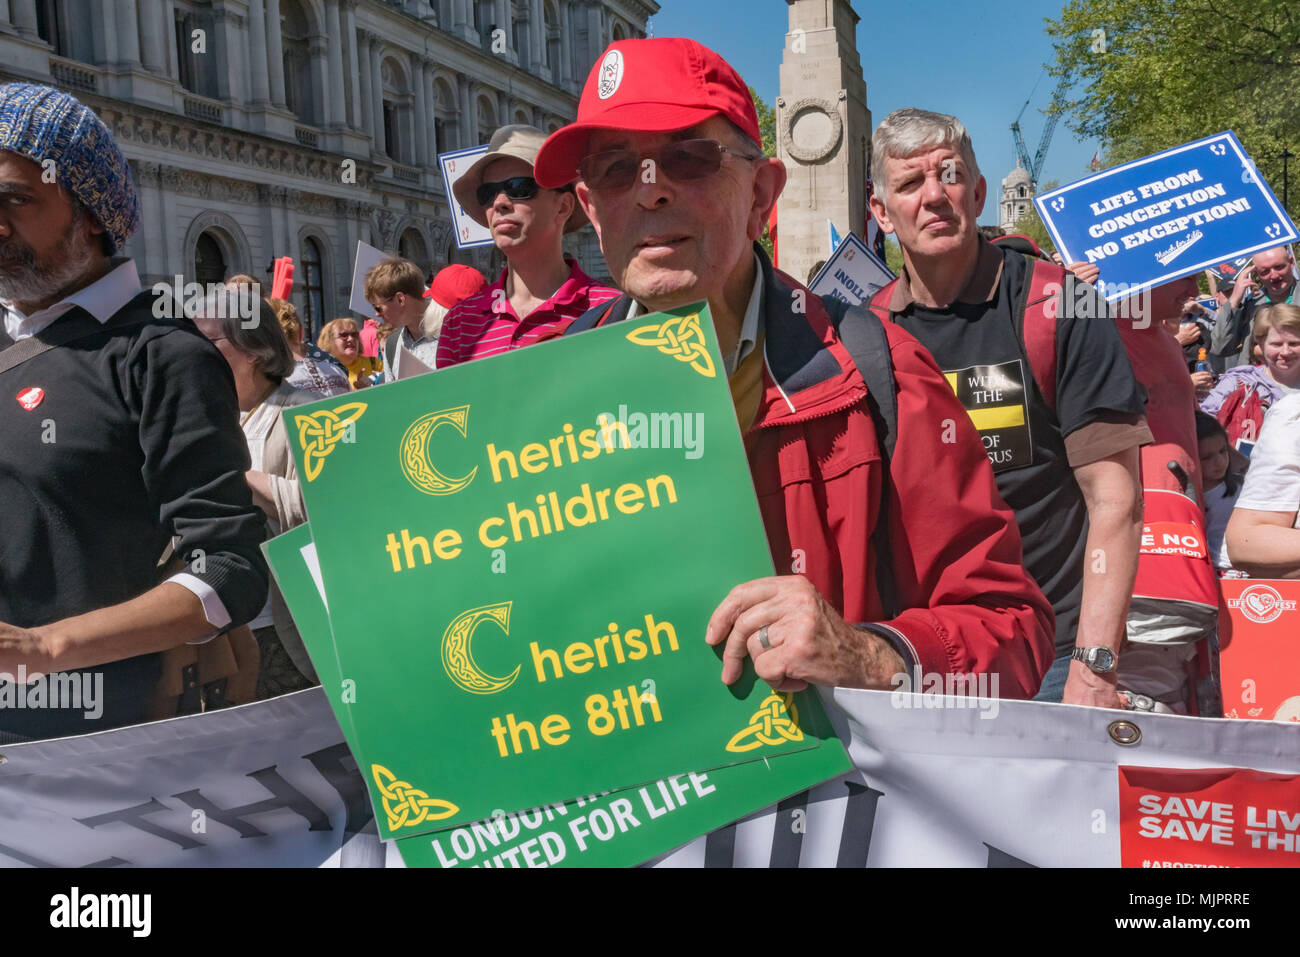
[411,246]
[196,71]
[397,112]
[552,38]
[487,117]
[299,91]
[1020,191]
[313,289]
[446,130]
[51,25]
[209,260]
[619,32]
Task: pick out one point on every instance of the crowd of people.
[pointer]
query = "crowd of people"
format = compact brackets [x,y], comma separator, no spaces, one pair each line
[948,460]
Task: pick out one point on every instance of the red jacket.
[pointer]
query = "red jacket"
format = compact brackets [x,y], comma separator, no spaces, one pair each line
[970,606]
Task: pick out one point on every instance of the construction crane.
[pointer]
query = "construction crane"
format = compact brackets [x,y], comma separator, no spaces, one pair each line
[1035,166]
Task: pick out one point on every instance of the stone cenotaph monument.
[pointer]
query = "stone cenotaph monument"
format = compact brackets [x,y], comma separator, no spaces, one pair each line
[823,132]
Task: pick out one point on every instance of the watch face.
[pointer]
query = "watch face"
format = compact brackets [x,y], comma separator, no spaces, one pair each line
[1103,659]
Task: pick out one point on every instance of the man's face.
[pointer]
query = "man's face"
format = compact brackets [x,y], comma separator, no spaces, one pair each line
[399,310]
[1273,272]
[931,202]
[1167,300]
[671,242]
[45,248]
[514,222]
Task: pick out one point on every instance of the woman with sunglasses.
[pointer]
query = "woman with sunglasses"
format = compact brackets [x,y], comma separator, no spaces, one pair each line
[342,339]
[540,291]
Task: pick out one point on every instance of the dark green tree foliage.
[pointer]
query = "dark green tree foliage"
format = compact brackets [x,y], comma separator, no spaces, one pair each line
[766,126]
[1151,74]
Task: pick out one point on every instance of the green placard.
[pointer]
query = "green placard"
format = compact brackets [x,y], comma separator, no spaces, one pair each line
[520,557]
[619,829]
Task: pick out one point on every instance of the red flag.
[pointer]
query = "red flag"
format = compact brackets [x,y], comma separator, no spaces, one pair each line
[1096,161]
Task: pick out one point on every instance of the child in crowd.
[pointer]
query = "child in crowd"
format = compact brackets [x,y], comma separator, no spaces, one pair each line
[1222,486]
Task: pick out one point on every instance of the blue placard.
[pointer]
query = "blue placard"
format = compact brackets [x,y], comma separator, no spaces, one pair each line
[468,233]
[853,273]
[1166,216]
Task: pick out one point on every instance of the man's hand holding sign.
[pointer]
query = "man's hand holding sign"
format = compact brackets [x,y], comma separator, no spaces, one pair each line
[796,638]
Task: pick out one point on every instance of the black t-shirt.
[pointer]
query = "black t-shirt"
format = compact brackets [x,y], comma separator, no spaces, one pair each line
[985,362]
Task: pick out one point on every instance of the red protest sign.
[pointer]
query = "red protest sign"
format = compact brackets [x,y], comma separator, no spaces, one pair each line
[1217,817]
[1260,668]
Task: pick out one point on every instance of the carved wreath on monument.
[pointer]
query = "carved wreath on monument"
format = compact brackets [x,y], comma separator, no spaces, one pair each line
[811,128]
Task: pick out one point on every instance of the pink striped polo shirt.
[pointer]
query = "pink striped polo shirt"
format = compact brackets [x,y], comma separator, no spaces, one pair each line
[473,329]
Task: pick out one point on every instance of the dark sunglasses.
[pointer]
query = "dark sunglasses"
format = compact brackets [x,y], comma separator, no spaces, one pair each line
[682,160]
[516,187]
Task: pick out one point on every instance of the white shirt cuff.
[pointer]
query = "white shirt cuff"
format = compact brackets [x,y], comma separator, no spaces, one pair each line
[213,608]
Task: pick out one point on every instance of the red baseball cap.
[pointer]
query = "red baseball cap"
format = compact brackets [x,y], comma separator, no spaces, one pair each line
[454,283]
[648,86]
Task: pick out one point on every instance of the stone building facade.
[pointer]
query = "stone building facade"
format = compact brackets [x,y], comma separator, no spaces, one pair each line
[265,128]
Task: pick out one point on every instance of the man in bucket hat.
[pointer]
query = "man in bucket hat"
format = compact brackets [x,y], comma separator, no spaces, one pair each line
[905,562]
[539,290]
[121,435]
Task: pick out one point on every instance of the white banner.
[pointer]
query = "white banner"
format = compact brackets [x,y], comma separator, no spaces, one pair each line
[1008,783]
[267,784]
[1025,784]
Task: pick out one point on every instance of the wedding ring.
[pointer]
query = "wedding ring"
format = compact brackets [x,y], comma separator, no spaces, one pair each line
[762,637]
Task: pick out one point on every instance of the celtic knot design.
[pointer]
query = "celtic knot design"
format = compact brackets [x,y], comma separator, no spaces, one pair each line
[406,805]
[414,452]
[457,658]
[775,722]
[681,338]
[320,432]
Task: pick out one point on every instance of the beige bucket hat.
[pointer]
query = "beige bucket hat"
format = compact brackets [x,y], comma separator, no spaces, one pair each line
[520,142]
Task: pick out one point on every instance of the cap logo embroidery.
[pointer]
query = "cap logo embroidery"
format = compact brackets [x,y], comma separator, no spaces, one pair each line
[30,398]
[611,74]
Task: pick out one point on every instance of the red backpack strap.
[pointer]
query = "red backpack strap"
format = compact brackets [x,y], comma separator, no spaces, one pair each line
[1038,325]
[879,303]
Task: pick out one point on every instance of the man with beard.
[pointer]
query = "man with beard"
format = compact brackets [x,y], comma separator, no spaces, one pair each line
[119,434]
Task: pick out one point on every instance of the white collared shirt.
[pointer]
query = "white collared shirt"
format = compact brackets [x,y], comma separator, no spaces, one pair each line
[750,326]
[103,299]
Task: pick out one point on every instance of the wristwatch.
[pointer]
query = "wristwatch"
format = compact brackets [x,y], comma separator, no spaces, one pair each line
[1098,658]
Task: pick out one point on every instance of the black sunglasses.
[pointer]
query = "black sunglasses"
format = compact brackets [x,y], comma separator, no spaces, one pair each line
[516,187]
[682,160]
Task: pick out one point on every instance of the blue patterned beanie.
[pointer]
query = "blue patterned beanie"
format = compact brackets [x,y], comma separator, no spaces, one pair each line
[40,123]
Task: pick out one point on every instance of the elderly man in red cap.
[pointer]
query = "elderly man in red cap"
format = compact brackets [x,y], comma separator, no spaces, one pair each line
[906,559]
[539,291]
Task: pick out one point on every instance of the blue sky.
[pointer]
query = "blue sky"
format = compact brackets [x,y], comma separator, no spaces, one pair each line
[977,59]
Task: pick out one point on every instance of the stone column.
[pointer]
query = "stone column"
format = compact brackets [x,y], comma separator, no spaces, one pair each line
[377,91]
[128,33]
[367,94]
[275,52]
[316,52]
[334,51]
[229,81]
[501,14]
[431,129]
[260,82]
[421,118]
[537,33]
[103,32]
[22,13]
[153,28]
[4,12]
[564,70]
[468,114]
[463,13]
[353,63]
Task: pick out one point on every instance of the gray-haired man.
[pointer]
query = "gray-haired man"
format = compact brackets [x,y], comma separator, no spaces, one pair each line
[1070,472]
